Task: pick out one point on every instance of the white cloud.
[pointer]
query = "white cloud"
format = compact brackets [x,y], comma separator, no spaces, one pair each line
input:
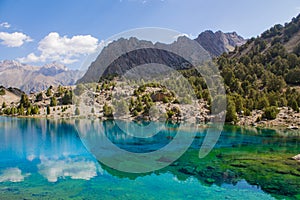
[5,25]
[15,39]
[64,49]
[12,175]
[182,35]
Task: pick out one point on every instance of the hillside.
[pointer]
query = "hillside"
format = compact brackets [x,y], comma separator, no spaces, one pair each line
[34,78]
[264,74]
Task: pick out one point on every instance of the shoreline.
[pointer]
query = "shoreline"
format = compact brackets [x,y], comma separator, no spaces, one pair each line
[201,125]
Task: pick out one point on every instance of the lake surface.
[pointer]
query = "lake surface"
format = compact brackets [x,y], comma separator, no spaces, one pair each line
[46,159]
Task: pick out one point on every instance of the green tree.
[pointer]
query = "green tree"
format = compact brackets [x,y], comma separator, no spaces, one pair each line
[263,102]
[231,115]
[49,92]
[48,110]
[294,105]
[293,76]
[3,104]
[39,97]
[79,90]
[35,110]
[53,101]
[67,98]
[107,111]
[21,110]
[77,111]
[2,91]
[25,101]
[270,113]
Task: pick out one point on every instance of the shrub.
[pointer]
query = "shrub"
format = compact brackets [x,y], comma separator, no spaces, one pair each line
[53,101]
[77,111]
[2,91]
[107,111]
[270,113]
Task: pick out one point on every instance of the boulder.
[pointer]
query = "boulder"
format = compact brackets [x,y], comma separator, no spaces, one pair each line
[297,157]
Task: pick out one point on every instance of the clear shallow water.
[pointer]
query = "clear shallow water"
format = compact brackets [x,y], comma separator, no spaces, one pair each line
[42,159]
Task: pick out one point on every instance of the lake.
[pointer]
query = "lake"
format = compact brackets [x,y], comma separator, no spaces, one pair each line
[52,159]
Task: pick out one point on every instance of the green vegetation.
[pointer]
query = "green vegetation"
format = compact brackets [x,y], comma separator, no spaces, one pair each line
[259,77]
[53,101]
[49,91]
[25,101]
[77,111]
[39,97]
[270,112]
[79,90]
[48,110]
[67,98]
[107,111]
[2,91]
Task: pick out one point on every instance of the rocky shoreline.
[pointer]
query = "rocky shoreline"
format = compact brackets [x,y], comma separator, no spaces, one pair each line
[160,109]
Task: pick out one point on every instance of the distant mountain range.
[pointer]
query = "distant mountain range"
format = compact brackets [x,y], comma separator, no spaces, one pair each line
[34,78]
[30,78]
[113,60]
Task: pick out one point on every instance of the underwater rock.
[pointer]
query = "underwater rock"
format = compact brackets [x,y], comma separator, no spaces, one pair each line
[209,180]
[297,157]
[188,170]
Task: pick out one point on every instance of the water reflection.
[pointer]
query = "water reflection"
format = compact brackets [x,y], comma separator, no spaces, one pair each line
[12,175]
[37,151]
[76,168]
[53,147]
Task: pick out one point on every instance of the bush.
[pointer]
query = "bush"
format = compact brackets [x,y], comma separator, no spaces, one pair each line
[270,113]
[53,101]
[77,111]
[2,91]
[165,99]
[294,105]
[25,101]
[39,97]
[49,92]
[67,98]
[107,111]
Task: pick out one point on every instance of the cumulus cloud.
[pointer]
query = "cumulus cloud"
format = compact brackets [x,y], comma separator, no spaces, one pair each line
[53,169]
[15,39]
[5,25]
[12,175]
[64,49]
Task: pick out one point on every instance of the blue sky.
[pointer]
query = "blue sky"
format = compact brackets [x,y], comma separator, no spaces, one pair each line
[33,30]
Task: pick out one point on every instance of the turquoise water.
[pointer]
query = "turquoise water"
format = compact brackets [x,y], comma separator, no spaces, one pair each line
[43,159]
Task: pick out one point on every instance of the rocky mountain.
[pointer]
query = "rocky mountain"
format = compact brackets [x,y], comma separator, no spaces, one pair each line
[219,42]
[34,78]
[123,54]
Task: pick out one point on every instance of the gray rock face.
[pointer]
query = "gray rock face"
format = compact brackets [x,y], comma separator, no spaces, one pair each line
[219,42]
[124,54]
[34,78]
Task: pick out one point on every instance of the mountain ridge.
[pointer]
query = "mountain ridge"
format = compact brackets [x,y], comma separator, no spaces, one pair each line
[221,41]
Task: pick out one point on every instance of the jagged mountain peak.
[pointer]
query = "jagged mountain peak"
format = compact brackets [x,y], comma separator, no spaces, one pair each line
[219,42]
